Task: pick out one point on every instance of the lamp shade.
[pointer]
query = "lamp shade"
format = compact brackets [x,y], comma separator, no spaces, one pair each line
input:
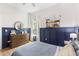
[73,35]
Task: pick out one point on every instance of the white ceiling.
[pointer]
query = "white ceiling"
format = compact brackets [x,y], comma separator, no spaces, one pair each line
[28,7]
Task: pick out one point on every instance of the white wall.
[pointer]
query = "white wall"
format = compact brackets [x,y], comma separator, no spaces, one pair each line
[69,14]
[0,34]
[77,14]
[9,15]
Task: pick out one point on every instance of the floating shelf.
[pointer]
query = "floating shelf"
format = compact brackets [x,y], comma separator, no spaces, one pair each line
[52,23]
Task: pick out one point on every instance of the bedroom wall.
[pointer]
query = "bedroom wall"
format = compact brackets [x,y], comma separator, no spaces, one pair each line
[12,14]
[77,21]
[69,14]
[0,32]
[9,15]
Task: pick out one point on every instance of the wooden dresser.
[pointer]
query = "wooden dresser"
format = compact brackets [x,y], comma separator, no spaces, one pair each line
[18,40]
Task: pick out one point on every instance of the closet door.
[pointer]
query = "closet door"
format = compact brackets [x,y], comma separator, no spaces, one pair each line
[60,36]
[52,36]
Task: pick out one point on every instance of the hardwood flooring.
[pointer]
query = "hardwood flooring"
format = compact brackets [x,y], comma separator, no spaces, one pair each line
[9,51]
[67,50]
[6,52]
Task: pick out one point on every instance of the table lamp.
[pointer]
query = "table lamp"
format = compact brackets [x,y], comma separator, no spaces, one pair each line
[73,36]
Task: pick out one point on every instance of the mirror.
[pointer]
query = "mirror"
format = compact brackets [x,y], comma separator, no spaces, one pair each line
[18,25]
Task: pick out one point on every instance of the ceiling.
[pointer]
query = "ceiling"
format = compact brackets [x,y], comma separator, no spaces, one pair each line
[31,7]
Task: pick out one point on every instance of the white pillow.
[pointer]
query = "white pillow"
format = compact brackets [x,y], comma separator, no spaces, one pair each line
[66,42]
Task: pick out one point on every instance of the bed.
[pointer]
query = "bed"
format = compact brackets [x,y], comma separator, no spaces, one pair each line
[35,49]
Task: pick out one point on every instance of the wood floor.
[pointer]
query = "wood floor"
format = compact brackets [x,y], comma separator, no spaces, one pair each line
[67,50]
[6,52]
[9,51]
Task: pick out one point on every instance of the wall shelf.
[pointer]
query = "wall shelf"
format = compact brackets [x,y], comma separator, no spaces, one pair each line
[52,23]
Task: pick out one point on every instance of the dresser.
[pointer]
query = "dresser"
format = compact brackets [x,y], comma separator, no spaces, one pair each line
[18,40]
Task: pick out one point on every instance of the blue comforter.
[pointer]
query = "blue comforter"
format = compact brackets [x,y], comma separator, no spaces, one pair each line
[35,49]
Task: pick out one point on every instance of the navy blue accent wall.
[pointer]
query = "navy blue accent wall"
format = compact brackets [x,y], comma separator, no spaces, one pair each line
[5,35]
[60,36]
[56,36]
[52,36]
[69,30]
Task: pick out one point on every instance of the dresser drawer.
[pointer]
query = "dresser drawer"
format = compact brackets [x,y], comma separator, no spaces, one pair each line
[18,40]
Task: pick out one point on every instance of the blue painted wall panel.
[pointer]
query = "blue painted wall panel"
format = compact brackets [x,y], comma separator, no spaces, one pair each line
[69,30]
[60,36]
[52,36]
[56,36]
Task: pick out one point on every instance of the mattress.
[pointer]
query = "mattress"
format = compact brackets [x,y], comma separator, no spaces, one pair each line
[35,49]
